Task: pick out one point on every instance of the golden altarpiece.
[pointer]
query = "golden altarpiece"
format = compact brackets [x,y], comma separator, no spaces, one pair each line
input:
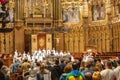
[93,24]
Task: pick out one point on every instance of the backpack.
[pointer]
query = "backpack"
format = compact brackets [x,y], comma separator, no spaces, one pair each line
[75,78]
[96,75]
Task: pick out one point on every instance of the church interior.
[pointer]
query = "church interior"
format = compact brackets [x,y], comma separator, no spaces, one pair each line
[67,25]
[74,26]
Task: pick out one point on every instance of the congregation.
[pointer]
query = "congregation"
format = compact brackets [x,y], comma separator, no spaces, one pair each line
[51,65]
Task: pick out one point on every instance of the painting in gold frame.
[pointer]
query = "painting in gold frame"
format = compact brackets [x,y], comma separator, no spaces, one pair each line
[98,12]
[71,15]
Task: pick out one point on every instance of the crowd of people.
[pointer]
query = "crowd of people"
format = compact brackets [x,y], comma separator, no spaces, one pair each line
[58,67]
[39,55]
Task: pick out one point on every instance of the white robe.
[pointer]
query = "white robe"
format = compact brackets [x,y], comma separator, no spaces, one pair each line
[40,58]
[48,52]
[61,53]
[53,51]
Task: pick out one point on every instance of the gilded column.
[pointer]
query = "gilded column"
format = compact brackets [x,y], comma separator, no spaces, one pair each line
[119,37]
[114,38]
[116,30]
[21,9]
[103,40]
[81,40]
[85,23]
[0,42]
[71,42]
[107,40]
[66,42]
[76,42]
[25,8]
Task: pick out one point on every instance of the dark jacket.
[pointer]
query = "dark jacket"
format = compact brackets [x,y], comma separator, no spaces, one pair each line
[2,76]
[62,65]
[56,72]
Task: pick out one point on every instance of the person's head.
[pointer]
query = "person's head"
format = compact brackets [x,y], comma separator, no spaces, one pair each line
[82,64]
[96,69]
[88,64]
[67,68]
[56,62]
[108,64]
[37,64]
[99,60]
[42,68]
[4,69]
[75,65]
[25,60]
[62,61]
[99,66]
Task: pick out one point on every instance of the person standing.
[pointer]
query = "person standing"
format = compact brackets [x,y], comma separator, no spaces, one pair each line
[2,76]
[108,73]
[75,74]
[117,71]
[56,71]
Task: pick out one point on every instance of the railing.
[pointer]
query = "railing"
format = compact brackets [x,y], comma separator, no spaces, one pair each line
[103,55]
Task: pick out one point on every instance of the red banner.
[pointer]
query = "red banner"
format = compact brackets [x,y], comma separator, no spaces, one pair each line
[41,38]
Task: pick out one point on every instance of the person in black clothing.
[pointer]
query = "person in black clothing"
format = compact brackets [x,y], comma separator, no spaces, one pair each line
[56,71]
[2,76]
[62,65]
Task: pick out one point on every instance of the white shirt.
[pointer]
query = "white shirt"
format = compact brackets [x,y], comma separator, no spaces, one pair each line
[107,74]
[117,73]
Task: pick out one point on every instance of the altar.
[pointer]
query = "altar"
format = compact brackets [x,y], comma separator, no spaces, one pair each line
[41,41]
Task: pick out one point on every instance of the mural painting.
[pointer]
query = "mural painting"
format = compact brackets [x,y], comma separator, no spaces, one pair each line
[98,13]
[71,15]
